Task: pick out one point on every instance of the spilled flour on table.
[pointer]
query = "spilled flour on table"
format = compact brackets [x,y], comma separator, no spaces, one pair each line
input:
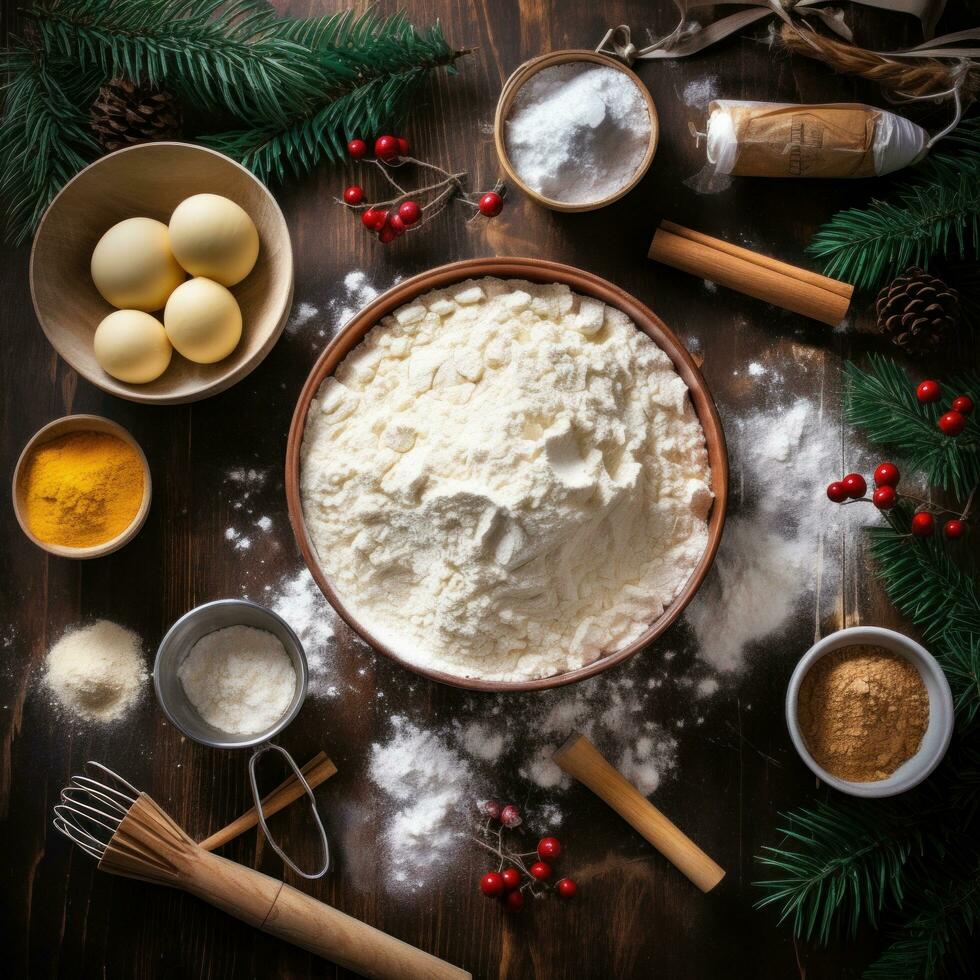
[783,545]
[429,784]
[700,91]
[302,314]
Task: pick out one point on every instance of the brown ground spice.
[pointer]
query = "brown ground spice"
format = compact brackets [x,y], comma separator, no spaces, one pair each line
[863,711]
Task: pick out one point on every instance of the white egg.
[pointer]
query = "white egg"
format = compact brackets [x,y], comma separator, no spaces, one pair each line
[203,320]
[132,346]
[133,267]
[215,238]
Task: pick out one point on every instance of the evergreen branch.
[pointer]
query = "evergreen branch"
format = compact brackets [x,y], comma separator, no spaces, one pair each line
[960,659]
[44,141]
[939,937]
[385,61]
[934,208]
[846,862]
[230,56]
[882,401]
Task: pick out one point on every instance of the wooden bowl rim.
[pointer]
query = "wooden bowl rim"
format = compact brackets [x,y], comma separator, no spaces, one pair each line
[516,81]
[221,382]
[81,423]
[534,270]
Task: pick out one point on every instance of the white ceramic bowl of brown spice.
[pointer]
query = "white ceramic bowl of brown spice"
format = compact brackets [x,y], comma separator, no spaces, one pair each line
[854,682]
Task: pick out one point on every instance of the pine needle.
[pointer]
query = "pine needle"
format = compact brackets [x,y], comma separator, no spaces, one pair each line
[933,210]
[882,401]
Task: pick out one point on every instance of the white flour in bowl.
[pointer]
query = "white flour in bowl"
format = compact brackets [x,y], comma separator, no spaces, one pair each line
[505,480]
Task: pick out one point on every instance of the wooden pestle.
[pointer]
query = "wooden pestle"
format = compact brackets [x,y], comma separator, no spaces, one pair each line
[752,273]
[581,759]
[317,770]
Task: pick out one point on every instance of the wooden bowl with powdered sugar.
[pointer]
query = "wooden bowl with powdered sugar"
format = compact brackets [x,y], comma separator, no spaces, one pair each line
[541,272]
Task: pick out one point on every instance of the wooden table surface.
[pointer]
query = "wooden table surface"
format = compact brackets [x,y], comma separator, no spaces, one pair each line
[635,915]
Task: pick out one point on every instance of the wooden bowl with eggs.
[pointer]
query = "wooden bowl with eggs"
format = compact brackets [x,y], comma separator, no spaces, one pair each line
[149,181]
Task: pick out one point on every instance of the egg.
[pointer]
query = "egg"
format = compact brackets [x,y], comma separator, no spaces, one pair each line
[133,267]
[215,238]
[203,321]
[132,346]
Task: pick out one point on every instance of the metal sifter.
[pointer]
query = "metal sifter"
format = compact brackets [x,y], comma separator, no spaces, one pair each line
[175,646]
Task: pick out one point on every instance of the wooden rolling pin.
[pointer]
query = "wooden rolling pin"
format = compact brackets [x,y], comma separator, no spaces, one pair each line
[784,285]
[581,759]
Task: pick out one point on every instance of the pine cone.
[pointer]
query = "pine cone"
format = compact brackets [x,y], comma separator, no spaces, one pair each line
[917,311]
[125,113]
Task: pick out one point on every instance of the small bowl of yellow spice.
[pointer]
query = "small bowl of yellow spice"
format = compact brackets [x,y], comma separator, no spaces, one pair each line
[81,487]
[870,711]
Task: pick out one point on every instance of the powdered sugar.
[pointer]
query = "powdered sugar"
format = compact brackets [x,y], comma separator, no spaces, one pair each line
[578,133]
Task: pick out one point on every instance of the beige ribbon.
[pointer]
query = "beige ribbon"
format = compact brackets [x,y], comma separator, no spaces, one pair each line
[689,37]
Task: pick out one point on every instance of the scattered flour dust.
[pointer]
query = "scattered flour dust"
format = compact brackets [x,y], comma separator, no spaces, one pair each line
[700,91]
[429,784]
[781,546]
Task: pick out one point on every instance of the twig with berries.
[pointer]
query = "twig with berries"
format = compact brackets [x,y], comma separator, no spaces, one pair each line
[391,217]
[514,876]
[853,487]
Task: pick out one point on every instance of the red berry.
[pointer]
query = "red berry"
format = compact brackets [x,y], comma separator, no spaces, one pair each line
[491,808]
[566,888]
[510,816]
[511,877]
[354,194]
[540,870]
[836,492]
[396,224]
[357,148]
[403,146]
[491,204]
[954,529]
[962,404]
[887,475]
[952,423]
[387,235]
[884,498]
[928,391]
[374,218]
[855,486]
[923,524]
[549,848]
[386,148]
[491,883]
[409,212]
[514,901]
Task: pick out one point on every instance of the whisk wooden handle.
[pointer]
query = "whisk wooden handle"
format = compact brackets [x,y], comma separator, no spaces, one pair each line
[581,759]
[282,911]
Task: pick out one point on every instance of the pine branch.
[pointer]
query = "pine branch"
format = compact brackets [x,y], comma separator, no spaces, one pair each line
[44,140]
[846,863]
[932,211]
[882,401]
[939,937]
[219,55]
[377,66]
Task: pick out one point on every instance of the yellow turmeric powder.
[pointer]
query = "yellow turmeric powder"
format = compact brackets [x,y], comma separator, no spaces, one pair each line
[81,489]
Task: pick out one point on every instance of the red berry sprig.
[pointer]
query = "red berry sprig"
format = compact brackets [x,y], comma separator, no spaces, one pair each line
[950,423]
[410,209]
[853,487]
[514,879]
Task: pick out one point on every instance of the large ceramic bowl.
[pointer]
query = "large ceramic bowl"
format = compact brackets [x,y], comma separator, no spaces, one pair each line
[150,180]
[534,270]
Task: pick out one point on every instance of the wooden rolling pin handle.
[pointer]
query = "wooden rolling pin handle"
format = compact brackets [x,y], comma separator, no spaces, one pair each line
[581,759]
[289,914]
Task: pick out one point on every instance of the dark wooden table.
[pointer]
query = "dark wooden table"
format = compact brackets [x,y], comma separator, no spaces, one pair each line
[635,916]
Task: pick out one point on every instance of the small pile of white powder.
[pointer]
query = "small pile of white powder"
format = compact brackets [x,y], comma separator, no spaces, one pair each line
[240,679]
[577,133]
[96,672]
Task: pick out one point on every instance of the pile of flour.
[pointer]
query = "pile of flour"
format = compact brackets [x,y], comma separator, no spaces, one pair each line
[505,480]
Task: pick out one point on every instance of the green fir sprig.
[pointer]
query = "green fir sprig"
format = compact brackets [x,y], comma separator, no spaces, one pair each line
[882,401]
[933,210]
[287,93]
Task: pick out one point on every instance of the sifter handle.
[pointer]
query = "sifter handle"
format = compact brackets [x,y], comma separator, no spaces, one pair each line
[581,759]
[284,912]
